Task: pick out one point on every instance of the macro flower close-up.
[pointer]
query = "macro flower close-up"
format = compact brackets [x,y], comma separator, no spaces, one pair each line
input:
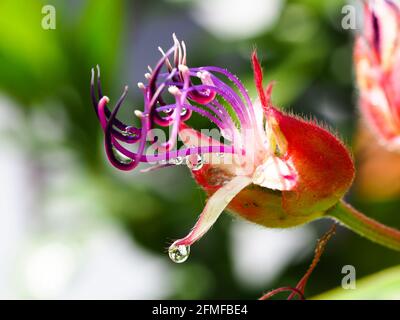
[275,169]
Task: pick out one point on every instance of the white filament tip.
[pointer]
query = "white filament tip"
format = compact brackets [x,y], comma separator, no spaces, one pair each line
[105,98]
[173,90]
[138,113]
[183,68]
[161,50]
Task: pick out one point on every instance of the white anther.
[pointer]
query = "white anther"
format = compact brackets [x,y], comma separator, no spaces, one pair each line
[138,113]
[174,90]
[176,41]
[105,98]
[141,85]
[147,76]
[182,68]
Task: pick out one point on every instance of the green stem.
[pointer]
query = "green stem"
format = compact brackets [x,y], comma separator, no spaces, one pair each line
[364,226]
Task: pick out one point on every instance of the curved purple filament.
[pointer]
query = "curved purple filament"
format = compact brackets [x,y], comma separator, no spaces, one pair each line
[200,98]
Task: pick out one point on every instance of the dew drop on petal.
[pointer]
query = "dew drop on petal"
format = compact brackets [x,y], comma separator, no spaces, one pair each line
[179,253]
[130,132]
[195,162]
[177,161]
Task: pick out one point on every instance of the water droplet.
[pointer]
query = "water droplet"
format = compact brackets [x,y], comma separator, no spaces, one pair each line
[120,157]
[130,132]
[183,112]
[195,162]
[179,253]
[177,161]
[168,110]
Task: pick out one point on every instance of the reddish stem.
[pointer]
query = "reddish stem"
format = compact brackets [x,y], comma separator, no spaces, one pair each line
[283,289]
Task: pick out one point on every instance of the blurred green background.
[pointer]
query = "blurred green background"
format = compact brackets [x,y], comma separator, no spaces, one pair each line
[74,227]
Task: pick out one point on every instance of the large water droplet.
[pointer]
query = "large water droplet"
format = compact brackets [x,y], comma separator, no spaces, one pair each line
[195,162]
[120,157]
[178,253]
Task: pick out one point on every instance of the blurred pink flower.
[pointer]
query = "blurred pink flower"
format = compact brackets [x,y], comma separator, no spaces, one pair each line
[377,63]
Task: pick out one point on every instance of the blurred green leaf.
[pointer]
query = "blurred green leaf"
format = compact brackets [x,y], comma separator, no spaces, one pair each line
[384,285]
[30,59]
[99,32]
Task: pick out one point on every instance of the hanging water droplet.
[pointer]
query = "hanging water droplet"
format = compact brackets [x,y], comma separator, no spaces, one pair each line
[120,157]
[178,253]
[168,110]
[183,112]
[177,161]
[195,162]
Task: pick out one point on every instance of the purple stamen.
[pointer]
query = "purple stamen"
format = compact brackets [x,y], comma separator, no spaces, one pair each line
[124,133]
[200,98]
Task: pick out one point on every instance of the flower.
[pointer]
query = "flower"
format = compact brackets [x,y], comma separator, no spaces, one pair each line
[377,65]
[274,169]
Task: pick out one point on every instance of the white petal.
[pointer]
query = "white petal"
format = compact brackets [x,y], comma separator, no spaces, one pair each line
[214,207]
[275,174]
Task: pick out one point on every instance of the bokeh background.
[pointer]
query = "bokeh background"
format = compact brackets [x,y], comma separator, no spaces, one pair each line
[73,227]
